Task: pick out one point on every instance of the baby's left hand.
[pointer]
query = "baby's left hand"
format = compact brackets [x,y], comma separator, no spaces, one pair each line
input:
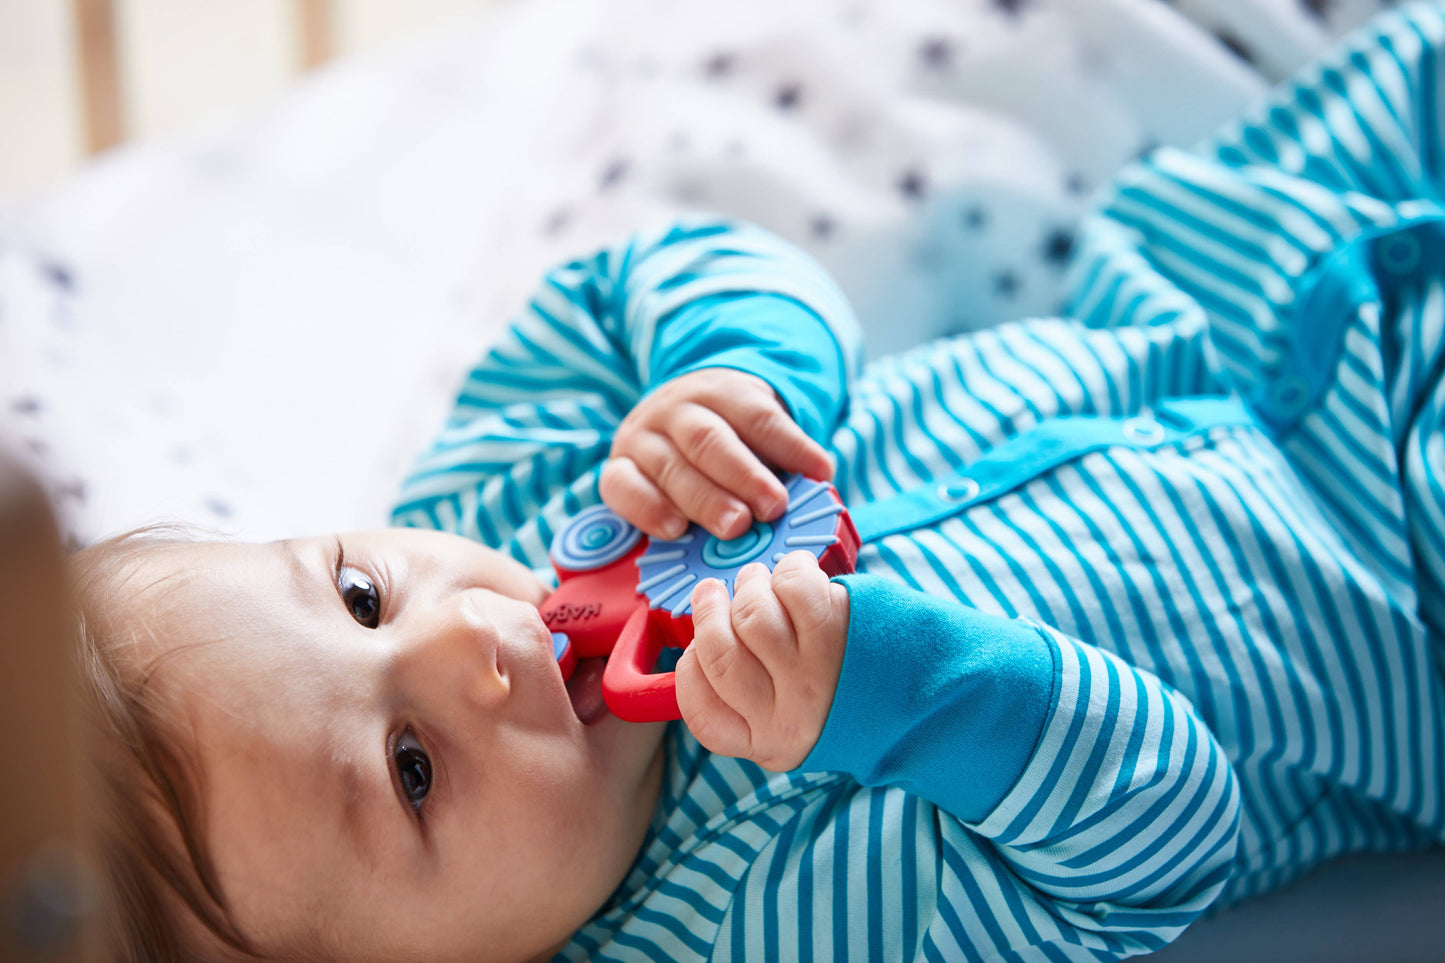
[697,449]
[759,678]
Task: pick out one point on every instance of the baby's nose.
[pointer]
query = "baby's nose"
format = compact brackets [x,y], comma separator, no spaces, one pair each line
[456,651]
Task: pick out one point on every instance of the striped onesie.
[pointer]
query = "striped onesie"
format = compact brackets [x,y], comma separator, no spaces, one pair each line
[1147,615]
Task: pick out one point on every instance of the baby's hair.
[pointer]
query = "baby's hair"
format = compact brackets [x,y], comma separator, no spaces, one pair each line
[163,898]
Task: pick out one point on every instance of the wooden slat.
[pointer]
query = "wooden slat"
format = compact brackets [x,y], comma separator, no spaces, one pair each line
[314,32]
[40,818]
[99,66]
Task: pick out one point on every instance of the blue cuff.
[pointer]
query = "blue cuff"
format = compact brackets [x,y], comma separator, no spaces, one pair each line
[936,698]
[774,337]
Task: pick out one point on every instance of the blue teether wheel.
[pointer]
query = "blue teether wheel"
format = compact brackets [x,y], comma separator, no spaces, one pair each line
[668,570]
[592,539]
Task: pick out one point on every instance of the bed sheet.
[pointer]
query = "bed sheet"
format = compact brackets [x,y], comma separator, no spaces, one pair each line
[251,327]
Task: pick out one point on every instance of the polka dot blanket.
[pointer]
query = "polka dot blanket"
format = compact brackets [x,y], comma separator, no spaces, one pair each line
[251,327]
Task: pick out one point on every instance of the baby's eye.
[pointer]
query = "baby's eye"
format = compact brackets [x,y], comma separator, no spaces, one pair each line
[359,596]
[414,769]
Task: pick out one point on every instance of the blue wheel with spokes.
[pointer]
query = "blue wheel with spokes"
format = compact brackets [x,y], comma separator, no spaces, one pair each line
[668,570]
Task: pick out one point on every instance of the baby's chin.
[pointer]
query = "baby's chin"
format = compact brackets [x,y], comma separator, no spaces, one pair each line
[629,754]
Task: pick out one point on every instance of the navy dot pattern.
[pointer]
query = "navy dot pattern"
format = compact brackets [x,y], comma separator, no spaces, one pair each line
[75,431]
[959,221]
[934,156]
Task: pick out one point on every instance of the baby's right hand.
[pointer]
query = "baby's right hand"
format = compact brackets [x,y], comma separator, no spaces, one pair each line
[758,680]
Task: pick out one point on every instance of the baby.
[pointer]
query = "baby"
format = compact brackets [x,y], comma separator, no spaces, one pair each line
[367,738]
[1146,618]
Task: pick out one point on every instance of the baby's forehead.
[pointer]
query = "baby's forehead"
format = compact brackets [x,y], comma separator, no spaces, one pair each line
[182,571]
[171,581]
[254,617]
[191,603]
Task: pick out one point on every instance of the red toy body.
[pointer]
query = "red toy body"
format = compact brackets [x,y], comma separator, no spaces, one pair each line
[623,595]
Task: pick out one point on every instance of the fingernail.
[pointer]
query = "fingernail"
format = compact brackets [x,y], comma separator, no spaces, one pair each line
[674,528]
[731,519]
[772,507]
[716,588]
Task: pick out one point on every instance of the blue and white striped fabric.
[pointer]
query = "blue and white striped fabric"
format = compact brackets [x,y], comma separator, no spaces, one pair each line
[1244,620]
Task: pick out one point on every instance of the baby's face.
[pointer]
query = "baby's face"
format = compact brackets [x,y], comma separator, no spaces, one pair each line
[388,759]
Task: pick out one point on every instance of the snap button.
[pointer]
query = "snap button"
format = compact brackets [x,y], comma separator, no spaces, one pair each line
[1399,253]
[958,490]
[1290,394]
[1144,431]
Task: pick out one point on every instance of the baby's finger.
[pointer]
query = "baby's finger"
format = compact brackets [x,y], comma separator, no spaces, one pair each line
[734,673]
[713,722]
[714,448]
[766,427]
[692,492]
[631,494]
[816,607]
[760,621]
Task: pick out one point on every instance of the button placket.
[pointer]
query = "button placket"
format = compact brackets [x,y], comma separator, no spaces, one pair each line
[958,490]
[1400,253]
[1143,430]
[1289,395]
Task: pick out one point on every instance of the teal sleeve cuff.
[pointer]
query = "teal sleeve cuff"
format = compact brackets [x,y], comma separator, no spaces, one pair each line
[936,698]
[772,336]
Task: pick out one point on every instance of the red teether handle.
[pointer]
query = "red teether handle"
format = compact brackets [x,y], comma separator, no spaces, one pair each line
[631,690]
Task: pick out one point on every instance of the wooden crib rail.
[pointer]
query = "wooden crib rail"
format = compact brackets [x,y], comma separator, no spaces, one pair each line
[78,77]
[98,61]
[99,68]
[313,23]
[42,877]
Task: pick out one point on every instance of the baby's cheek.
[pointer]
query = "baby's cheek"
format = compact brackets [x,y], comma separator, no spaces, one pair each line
[566,850]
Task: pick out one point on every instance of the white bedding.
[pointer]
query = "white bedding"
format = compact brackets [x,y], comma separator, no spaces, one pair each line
[252,327]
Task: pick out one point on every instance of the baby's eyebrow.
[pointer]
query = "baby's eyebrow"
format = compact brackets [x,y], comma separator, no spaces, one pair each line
[347,772]
[352,797]
[342,790]
[302,578]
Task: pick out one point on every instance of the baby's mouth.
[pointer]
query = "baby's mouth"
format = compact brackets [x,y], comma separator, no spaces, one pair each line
[585,690]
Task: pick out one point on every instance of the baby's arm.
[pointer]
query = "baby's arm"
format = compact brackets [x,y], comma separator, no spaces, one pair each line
[535,420]
[1106,810]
